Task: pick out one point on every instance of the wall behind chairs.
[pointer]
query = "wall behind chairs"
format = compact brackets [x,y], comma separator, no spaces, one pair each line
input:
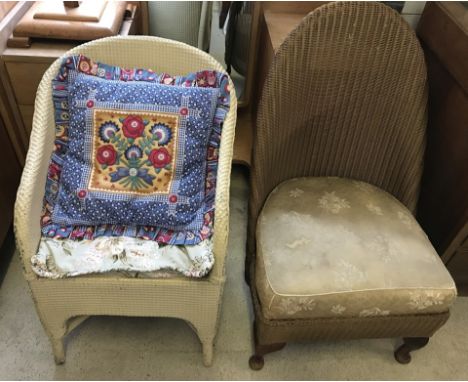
[185,21]
[412,12]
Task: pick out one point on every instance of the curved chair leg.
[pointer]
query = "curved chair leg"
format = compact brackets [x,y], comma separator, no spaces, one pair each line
[246,274]
[256,361]
[208,346]
[56,328]
[59,350]
[206,334]
[247,268]
[402,354]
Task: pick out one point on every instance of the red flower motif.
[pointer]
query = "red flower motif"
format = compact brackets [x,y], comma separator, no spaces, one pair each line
[84,65]
[212,153]
[106,155]
[126,74]
[133,126]
[54,171]
[82,194]
[183,111]
[90,103]
[173,198]
[159,157]
[164,237]
[206,79]
[167,79]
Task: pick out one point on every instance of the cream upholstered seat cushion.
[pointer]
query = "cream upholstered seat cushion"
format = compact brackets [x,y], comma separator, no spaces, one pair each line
[334,247]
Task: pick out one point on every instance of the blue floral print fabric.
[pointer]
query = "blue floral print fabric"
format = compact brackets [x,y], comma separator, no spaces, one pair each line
[134,156]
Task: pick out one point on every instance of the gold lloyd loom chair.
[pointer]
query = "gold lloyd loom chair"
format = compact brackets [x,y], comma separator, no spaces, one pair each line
[334,251]
[64,303]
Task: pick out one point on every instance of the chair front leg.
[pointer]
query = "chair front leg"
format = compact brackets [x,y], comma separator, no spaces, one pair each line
[256,361]
[59,350]
[402,354]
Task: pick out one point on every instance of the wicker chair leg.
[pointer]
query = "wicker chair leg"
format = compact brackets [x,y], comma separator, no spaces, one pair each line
[249,269]
[206,334]
[59,350]
[208,346]
[402,354]
[247,272]
[56,328]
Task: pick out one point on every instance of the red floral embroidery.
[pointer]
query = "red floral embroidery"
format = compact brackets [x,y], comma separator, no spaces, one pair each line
[184,111]
[164,238]
[106,155]
[54,171]
[127,74]
[167,79]
[212,153]
[206,78]
[82,194]
[84,66]
[90,103]
[159,157]
[173,198]
[87,66]
[133,126]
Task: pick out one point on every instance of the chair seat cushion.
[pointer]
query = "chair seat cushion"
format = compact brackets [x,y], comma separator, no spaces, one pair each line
[334,247]
[128,255]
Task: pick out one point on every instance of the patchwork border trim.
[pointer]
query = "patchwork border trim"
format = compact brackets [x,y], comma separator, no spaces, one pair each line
[81,64]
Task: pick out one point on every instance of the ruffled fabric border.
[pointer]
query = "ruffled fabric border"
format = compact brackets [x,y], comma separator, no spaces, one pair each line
[80,63]
[67,258]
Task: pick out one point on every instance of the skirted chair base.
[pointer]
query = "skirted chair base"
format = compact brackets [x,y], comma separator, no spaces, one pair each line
[272,335]
[342,259]
[68,302]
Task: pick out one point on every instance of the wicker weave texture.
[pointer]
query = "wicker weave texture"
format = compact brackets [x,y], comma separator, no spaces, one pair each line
[423,325]
[345,96]
[57,301]
[341,328]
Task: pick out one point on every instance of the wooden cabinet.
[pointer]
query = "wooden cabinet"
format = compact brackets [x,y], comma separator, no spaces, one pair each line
[21,69]
[10,172]
[10,166]
[443,206]
[24,69]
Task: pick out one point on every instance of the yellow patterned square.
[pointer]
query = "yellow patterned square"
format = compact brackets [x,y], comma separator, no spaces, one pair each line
[133,152]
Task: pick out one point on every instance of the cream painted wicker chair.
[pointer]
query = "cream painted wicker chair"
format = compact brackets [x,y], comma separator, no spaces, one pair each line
[64,303]
[333,249]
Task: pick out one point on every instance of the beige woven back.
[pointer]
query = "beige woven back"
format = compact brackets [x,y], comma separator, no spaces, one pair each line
[345,96]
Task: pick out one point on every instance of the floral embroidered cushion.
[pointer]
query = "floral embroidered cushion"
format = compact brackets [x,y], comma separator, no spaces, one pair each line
[69,258]
[134,156]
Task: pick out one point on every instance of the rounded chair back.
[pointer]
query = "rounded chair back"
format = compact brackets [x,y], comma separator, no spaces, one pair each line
[345,96]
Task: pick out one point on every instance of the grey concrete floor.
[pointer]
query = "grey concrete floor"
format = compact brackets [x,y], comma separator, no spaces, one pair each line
[159,348]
